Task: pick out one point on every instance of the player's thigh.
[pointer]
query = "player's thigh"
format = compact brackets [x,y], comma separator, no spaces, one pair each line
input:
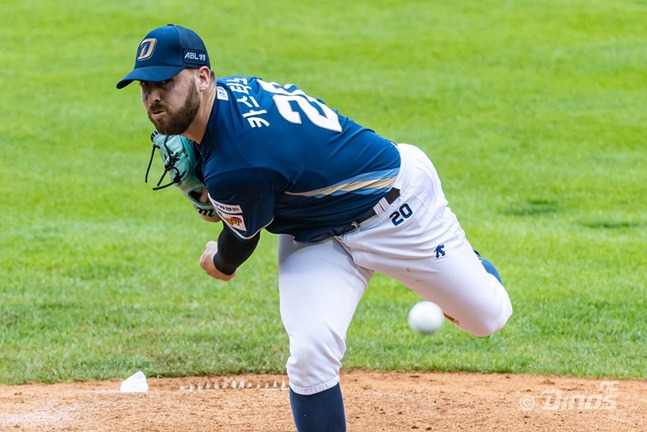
[434,259]
[454,278]
[319,285]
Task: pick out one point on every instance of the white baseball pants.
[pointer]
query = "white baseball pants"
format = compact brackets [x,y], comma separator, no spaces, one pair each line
[415,240]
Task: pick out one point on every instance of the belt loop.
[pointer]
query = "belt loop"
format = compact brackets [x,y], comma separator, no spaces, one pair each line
[381,206]
[386,201]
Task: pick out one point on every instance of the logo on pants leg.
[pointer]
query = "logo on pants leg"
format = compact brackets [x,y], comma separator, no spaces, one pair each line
[440,250]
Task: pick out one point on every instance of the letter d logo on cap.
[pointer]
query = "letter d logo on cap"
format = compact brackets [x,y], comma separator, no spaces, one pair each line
[146,48]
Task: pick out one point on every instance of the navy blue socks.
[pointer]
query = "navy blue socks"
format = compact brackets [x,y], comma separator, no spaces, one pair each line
[320,412]
[489,267]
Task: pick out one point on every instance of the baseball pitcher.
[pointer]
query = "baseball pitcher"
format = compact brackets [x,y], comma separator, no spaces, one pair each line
[344,201]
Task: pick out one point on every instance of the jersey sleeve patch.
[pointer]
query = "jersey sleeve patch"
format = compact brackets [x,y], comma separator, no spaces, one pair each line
[231,214]
[225,208]
[235,221]
[221,93]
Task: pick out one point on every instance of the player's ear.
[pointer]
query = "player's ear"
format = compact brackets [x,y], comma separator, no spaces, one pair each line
[204,77]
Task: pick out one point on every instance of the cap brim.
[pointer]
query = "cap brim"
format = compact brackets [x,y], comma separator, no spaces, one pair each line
[150,73]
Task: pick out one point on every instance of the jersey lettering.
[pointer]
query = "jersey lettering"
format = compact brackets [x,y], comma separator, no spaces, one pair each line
[318,113]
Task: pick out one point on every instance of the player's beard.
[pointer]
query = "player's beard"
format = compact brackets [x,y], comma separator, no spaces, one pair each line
[177,122]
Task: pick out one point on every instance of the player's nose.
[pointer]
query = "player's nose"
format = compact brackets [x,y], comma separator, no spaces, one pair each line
[151,95]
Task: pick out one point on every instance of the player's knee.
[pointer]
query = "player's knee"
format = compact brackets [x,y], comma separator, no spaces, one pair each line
[492,322]
[308,354]
[316,352]
[490,327]
[314,363]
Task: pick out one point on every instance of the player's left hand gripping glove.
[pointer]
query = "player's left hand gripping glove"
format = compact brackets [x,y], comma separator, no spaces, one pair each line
[179,160]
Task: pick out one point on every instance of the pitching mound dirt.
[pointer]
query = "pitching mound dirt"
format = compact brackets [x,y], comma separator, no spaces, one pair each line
[374,402]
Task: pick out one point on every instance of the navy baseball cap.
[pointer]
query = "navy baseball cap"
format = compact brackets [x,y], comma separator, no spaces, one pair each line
[165,52]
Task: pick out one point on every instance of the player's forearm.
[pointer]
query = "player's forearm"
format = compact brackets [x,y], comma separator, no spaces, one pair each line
[232,252]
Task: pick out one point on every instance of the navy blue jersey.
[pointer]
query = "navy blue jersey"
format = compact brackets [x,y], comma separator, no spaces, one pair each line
[276,158]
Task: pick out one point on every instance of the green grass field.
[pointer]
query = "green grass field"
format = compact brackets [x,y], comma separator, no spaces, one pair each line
[533,112]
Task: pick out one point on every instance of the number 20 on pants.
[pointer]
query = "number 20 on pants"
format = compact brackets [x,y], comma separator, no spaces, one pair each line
[404,212]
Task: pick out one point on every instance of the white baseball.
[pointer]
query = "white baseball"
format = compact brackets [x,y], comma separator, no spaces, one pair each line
[426,317]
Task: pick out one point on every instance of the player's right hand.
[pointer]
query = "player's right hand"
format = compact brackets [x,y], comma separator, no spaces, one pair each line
[206,262]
